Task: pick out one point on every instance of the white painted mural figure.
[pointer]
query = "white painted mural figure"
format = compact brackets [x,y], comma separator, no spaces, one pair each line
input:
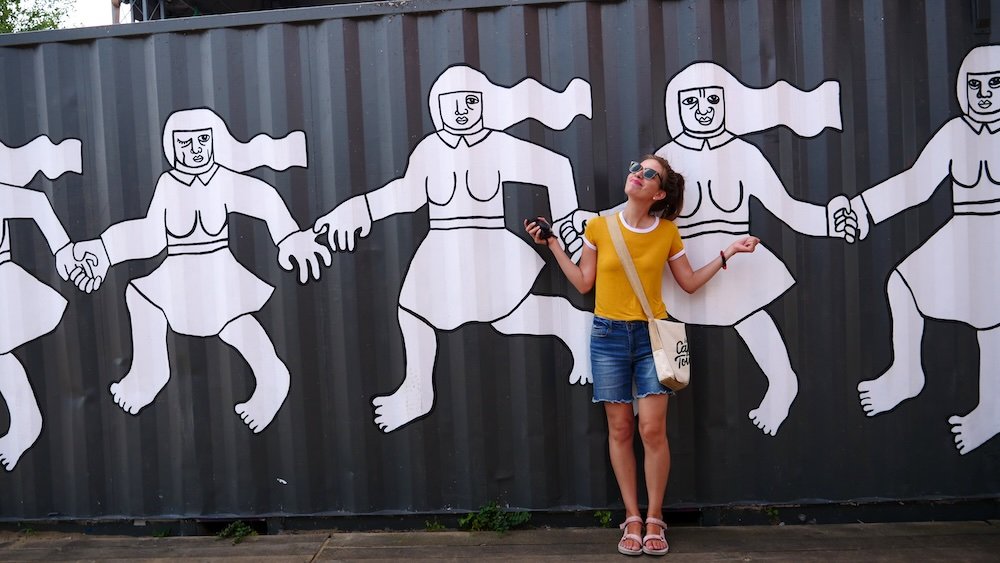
[953,275]
[30,308]
[470,267]
[200,289]
[707,110]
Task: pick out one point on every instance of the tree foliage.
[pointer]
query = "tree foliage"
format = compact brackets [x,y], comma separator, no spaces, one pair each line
[32,15]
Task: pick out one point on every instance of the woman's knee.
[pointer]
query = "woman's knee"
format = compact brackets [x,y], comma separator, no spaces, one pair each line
[653,433]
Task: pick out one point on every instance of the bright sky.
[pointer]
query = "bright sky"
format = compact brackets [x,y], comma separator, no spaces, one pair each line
[91,12]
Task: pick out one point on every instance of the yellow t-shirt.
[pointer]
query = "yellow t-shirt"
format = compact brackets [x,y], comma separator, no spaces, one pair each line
[650,248]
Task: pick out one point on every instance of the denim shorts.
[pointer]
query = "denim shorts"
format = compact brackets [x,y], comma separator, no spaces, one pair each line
[620,356]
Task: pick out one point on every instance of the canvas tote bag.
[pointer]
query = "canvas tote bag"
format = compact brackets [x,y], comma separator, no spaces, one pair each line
[667,338]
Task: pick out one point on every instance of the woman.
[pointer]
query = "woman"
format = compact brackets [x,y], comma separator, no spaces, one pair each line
[31,308]
[200,289]
[470,267]
[620,352]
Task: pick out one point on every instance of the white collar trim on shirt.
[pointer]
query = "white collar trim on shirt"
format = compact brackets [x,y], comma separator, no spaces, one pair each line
[689,141]
[188,179]
[452,140]
[621,217]
[977,126]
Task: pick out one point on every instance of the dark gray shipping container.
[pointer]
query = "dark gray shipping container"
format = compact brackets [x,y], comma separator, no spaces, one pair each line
[506,425]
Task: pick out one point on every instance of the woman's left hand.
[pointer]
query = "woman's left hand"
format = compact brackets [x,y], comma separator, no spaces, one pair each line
[745,244]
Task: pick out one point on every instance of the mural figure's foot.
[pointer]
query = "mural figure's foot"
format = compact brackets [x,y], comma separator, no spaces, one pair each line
[17,441]
[407,404]
[773,409]
[259,410]
[973,429]
[888,390]
[137,389]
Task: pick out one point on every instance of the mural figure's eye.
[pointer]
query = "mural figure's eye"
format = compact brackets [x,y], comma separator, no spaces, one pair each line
[995,82]
[975,84]
[203,138]
[714,98]
[184,143]
[689,101]
[471,100]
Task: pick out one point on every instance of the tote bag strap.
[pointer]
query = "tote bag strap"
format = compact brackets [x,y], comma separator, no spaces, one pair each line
[626,259]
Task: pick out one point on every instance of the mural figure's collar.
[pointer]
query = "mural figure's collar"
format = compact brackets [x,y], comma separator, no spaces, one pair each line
[977,126]
[187,175]
[452,139]
[689,141]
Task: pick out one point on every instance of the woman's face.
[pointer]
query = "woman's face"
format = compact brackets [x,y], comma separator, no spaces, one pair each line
[703,110]
[983,90]
[193,148]
[638,186]
[461,110]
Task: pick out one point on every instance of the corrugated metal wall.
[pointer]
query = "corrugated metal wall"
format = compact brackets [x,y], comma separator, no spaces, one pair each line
[506,425]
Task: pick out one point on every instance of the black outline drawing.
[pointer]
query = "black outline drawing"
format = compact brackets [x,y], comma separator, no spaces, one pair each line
[31,308]
[952,275]
[467,238]
[200,289]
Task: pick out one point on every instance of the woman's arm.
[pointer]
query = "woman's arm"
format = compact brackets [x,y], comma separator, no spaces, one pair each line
[690,280]
[583,274]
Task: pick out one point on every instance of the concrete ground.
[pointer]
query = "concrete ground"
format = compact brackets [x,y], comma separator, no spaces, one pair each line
[924,541]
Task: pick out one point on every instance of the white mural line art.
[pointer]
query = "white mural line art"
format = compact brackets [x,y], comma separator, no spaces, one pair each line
[200,289]
[31,308]
[707,109]
[948,277]
[470,267]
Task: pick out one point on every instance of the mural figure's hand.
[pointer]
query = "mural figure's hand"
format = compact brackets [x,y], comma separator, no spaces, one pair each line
[65,261]
[341,224]
[745,244]
[841,219]
[91,265]
[570,230]
[301,246]
[864,216]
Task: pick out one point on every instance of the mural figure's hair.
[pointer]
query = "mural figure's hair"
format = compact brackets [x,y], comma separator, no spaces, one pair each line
[504,107]
[263,150]
[985,58]
[18,165]
[749,110]
[673,183]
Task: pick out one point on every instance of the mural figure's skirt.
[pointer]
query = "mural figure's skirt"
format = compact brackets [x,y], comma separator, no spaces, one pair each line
[750,282]
[953,275]
[29,307]
[200,293]
[469,275]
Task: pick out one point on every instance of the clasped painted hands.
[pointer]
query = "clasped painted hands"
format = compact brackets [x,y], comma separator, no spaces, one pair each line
[848,219]
[300,248]
[84,263]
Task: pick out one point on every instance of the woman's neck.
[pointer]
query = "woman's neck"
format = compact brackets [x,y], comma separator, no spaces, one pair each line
[637,215]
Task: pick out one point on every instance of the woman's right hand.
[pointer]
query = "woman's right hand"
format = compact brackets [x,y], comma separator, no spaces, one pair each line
[535,231]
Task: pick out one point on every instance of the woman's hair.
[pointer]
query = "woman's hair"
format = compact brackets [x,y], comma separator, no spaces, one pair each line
[673,184]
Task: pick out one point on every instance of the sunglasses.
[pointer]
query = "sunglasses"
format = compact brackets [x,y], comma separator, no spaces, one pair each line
[647,173]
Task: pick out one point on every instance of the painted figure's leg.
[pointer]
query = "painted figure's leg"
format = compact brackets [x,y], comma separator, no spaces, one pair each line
[415,396]
[25,418]
[544,315]
[150,369]
[768,349]
[905,377]
[983,423]
[247,336]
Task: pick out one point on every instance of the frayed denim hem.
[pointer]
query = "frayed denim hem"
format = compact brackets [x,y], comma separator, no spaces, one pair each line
[595,400]
[667,392]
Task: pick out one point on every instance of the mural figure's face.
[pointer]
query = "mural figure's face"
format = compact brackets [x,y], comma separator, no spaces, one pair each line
[703,110]
[461,111]
[193,148]
[638,186]
[984,96]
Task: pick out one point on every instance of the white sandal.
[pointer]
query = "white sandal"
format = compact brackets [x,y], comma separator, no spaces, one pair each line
[661,536]
[627,536]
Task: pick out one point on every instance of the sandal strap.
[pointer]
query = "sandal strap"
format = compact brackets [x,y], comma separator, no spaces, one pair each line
[630,520]
[657,522]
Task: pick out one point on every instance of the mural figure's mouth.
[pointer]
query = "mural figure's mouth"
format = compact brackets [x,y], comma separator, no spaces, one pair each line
[461,120]
[985,103]
[198,158]
[705,118]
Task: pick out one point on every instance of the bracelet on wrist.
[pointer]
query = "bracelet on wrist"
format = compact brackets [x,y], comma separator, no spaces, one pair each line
[722,254]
